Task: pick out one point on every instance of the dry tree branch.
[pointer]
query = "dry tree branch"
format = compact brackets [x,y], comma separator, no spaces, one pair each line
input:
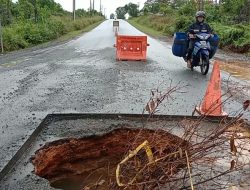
[204,150]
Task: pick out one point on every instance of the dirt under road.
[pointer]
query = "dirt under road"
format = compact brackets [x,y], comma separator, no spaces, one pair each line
[64,149]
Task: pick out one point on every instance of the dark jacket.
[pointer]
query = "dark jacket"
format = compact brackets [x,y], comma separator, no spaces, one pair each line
[199,27]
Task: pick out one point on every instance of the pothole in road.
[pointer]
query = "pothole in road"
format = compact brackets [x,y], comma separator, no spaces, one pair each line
[91,162]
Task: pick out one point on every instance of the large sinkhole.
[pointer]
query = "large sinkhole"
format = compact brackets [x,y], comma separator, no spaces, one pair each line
[91,162]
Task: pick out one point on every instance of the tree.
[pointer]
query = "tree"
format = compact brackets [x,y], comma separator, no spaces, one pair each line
[5,11]
[145,10]
[132,9]
[212,12]
[120,12]
[25,10]
[51,5]
[166,9]
[152,6]
[81,13]
[178,3]
[244,15]
[188,8]
[34,3]
[232,9]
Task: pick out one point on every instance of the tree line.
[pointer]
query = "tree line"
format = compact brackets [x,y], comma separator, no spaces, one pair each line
[230,19]
[229,11]
[30,10]
[131,8]
[30,22]
[35,11]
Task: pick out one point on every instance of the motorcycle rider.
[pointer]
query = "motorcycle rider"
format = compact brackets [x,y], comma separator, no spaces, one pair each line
[198,26]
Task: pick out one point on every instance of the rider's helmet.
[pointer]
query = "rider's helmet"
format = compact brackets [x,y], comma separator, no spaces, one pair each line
[200,14]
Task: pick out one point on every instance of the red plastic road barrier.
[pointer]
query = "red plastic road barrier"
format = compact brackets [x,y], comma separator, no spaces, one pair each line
[131,47]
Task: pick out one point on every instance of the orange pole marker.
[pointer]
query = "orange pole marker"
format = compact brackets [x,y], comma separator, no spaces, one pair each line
[212,104]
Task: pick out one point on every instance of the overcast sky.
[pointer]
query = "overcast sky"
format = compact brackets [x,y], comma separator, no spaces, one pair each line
[109,5]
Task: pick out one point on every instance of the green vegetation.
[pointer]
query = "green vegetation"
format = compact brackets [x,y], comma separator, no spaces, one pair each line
[230,19]
[154,25]
[30,22]
[131,8]
[145,28]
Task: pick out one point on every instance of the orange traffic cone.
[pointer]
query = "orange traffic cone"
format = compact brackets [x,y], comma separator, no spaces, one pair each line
[212,104]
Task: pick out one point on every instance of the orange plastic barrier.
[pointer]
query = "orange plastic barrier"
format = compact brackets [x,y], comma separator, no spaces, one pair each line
[212,104]
[131,47]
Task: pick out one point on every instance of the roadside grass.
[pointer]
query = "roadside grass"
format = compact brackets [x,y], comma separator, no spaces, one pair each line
[21,35]
[71,35]
[156,26]
[145,29]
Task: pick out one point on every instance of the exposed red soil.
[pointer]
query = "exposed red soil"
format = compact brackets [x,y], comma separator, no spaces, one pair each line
[90,162]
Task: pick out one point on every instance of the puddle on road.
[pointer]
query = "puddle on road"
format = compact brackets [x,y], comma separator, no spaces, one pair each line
[90,162]
[238,69]
[10,64]
[14,63]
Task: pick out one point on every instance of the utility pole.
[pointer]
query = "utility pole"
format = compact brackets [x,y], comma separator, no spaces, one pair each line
[1,37]
[74,10]
[100,6]
[93,5]
[90,5]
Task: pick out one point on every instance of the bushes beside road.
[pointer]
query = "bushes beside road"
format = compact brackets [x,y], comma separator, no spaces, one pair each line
[25,34]
[233,37]
[30,22]
[230,19]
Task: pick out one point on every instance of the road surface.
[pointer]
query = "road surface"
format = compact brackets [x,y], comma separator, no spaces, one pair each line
[83,76]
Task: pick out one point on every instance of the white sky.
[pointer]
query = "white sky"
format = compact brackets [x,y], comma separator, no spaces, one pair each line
[109,5]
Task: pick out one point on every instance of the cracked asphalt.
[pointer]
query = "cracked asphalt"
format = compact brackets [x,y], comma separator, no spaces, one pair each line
[83,76]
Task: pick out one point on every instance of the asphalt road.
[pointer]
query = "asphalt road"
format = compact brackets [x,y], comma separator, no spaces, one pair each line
[83,76]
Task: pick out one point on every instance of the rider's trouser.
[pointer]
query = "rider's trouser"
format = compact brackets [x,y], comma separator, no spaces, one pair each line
[190,48]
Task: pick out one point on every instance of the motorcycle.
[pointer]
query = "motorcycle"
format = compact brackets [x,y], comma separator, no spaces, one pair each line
[201,52]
